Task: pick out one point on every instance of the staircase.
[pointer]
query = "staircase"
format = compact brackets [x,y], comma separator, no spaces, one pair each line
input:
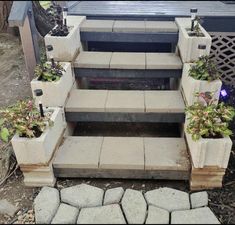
[123,156]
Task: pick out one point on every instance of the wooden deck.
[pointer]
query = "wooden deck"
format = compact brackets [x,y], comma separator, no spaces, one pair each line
[217,16]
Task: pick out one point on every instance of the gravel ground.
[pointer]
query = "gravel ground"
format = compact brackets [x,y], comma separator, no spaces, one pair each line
[15,85]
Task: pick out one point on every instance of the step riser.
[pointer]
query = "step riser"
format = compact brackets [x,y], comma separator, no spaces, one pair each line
[120,174]
[126,73]
[130,37]
[125,117]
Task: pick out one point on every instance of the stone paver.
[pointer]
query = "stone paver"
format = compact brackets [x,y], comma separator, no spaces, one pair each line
[134,207]
[199,199]
[122,153]
[194,216]
[163,61]
[127,60]
[82,196]
[125,101]
[93,60]
[66,214]
[79,152]
[97,25]
[46,205]
[160,26]
[113,196]
[86,101]
[111,214]
[6,208]
[157,216]
[168,199]
[129,26]
[164,101]
[165,154]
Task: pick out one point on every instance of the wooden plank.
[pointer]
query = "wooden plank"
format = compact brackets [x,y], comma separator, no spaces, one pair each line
[18,13]
[126,73]
[163,117]
[121,174]
[130,37]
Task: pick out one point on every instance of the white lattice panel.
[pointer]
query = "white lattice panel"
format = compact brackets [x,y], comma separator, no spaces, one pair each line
[223,52]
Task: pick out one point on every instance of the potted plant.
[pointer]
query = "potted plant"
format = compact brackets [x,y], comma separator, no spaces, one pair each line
[34,137]
[207,132]
[55,80]
[201,76]
[64,37]
[190,40]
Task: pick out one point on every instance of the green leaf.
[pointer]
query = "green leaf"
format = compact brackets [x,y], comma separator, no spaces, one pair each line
[4,134]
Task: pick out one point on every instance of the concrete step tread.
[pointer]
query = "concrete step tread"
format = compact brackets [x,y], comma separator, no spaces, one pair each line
[123,153]
[81,100]
[128,26]
[128,60]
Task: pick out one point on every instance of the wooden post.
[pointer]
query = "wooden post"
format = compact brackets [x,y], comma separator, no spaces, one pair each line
[28,47]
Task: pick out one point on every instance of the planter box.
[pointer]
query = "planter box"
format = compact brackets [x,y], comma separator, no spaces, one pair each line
[209,152]
[40,150]
[190,86]
[188,45]
[55,93]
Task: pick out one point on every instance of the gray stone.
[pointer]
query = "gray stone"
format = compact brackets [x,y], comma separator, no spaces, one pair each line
[199,199]
[168,199]
[7,208]
[157,216]
[110,214]
[134,207]
[194,216]
[113,196]
[66,214]
[46,205]
[82,196]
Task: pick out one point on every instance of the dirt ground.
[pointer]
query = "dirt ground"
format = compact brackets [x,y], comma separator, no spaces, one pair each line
[14,85]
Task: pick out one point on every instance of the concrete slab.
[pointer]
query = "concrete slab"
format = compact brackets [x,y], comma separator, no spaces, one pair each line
[86,101]
[127,60]
[125,101]
[79,152]
[163,61]
[93,60]
[122,153]
[129,26]
[164,101]
[97,25]
[166,154]
[160,26]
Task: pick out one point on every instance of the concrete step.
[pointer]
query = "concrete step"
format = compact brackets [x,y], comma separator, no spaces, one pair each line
[128,26]
[123,157]
[125,106]
[128,60]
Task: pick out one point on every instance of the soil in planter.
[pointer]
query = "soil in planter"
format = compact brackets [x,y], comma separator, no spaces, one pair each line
[194,34]
[217,136]
[36,132]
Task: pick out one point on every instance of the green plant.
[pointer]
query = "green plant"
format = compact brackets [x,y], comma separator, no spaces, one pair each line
[46,72]
[208,120]
[204,69]
[196,28]
[24,119]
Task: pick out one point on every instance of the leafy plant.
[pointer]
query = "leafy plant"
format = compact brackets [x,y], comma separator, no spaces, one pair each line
[46,72]
[208,120]
[24,119]
[196,28]
[204,69]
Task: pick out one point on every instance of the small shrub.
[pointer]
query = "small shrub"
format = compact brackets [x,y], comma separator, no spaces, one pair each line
[204,69]
[47,72]
[208,120]
[23,119]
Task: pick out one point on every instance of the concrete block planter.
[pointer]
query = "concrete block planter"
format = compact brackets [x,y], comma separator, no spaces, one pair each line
[188,45]
[40,150]
[66,48]
[190,86]
[55,93]
[209,152]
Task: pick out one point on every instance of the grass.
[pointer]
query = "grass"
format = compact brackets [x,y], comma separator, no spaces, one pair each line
[45,4]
